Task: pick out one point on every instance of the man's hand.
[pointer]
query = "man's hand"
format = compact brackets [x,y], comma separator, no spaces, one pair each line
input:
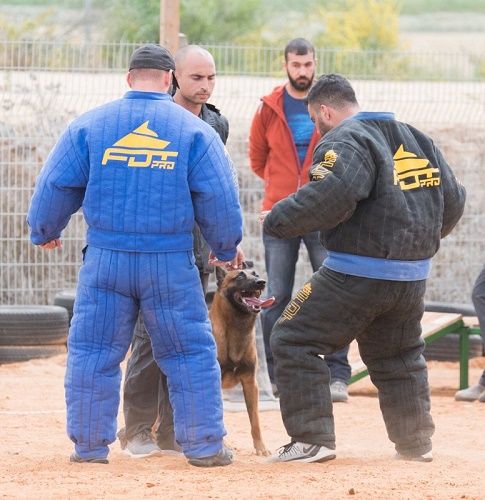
[236,263]
[50,245]
[263,216]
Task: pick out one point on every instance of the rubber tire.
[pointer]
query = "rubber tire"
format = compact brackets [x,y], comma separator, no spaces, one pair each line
[18,354]
[447,348]
[66,298]
[33,325]
[464,309]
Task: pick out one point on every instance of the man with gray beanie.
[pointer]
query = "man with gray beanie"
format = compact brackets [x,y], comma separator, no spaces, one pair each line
[144,170]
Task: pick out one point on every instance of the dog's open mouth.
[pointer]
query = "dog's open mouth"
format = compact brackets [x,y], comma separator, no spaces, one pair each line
[250,298]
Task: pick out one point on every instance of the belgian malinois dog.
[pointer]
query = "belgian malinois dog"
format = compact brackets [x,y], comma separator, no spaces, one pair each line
[233,316]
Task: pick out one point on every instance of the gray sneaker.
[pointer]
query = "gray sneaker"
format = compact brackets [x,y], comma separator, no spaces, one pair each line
[471,394]
[339,392]
[426,457]
[142,446]
[222,458]
[94,460]
[302,452]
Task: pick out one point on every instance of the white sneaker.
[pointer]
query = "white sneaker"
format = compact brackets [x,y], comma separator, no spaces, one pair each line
[426,457]
[142,446]
[471,394]
[168,446]
[173,453]
[302,452]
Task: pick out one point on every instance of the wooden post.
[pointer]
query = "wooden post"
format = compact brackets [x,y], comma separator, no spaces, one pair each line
[169,25]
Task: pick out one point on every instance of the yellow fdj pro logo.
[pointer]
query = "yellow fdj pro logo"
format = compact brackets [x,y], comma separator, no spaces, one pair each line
[321,170]
[141,148]
[411,172]
[294,306]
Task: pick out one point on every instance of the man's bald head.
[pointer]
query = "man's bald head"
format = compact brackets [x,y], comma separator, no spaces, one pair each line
[195,72]
[190,52]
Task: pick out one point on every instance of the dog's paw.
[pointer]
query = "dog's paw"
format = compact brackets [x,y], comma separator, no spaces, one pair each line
[261,450]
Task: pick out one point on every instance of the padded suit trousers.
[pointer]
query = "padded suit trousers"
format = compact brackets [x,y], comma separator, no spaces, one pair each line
[327,313]
[113,287]
[145,392]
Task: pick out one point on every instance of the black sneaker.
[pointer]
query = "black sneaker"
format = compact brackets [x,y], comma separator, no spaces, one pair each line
[302,452]
[223,457]
[95,460]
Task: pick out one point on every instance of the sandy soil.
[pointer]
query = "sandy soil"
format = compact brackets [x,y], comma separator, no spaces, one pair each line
[34,450]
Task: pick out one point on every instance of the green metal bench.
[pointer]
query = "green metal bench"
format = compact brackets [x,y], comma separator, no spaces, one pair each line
[435,325]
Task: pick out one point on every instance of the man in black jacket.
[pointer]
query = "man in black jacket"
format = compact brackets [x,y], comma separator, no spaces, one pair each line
[383,196]
[145,395]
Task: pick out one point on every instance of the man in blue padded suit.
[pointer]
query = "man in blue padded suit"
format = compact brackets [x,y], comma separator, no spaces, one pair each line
[143,169]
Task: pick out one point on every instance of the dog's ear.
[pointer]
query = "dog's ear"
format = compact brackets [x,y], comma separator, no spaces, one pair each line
[220,275]
[247,264]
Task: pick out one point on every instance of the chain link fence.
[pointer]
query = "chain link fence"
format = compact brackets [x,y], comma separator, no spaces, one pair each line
[45,85]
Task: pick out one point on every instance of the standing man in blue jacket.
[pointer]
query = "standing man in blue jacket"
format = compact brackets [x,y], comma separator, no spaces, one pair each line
[144,170]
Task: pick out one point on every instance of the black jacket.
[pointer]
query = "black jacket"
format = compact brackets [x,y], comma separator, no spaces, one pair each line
[380,188]
[211,115]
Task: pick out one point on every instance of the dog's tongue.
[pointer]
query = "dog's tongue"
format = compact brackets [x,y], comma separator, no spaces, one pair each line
[259,303]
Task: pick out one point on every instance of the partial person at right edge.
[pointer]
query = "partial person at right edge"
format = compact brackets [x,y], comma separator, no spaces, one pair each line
[281,143]
[477,391]
[382,196]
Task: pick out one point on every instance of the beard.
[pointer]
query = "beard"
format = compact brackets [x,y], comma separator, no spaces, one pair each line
[302,83]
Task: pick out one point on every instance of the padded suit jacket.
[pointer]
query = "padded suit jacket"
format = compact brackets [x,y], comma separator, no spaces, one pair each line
[380,188]
[272,150]
[143,169]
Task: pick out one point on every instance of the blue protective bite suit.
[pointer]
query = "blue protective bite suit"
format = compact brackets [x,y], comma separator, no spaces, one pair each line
[143,169]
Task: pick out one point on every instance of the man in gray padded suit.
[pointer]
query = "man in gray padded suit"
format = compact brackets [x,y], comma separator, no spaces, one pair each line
[382,195]
[145,396]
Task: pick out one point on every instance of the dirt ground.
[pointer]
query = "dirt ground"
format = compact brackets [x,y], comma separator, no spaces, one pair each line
[34,450]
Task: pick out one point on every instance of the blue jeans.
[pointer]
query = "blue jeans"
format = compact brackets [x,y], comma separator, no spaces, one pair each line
[281,256]
[478,298]
[328,313]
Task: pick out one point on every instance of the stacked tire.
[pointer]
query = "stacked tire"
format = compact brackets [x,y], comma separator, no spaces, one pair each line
[65,298]
[447,348]
[32,332]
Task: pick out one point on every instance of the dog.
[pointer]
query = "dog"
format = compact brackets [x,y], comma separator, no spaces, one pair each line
[235,307]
